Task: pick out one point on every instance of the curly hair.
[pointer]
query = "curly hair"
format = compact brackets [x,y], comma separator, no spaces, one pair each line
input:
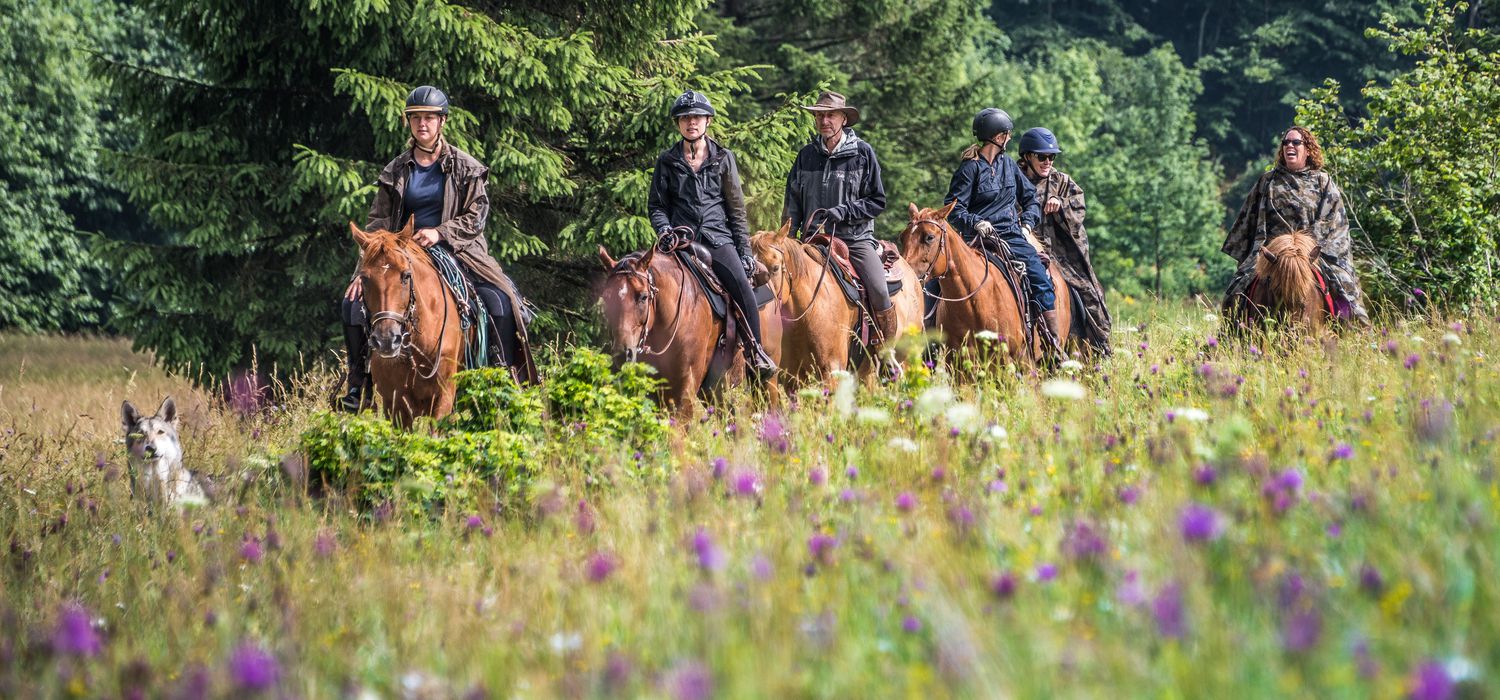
[1309,143]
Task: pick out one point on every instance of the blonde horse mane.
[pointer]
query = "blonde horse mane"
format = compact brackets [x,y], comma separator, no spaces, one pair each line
[1288,279]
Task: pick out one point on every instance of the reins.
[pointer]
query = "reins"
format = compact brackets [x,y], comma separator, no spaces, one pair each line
[948,252]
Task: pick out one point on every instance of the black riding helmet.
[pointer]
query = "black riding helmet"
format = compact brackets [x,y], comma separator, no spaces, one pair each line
[991,122]
[691,103]
[427,99]
[1039,140]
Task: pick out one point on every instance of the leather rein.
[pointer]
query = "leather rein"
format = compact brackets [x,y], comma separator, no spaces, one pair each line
[407,320]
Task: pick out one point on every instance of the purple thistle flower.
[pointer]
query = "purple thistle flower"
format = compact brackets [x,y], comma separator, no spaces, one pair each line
[720,465]
[746,482]
[911,624]
[962,518]
[600,566]
[938,474]
[710,557]
[1129,494]
[1370,580]
[852,473]
[1130,591]
[760,567]
[1046,572]
[773,433]
[250,550]
[252,668]
[1412,360]
[821,547]
[324,543]
[1301,629]
[583,518]
[473,522]
[905,502]
[1431,682]
[1343,450]
[691,681]
[75,633]
[848,496]
[998,486]
[1004,585]
[1200,523]
[818,476]
[1434,420]
[1167,608]
[1083,542]
[1205,475]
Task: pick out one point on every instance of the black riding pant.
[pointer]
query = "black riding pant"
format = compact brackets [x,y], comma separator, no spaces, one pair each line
[731,273]
[865,257]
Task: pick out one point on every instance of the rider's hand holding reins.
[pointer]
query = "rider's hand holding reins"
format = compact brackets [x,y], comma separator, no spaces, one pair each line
[1053,204]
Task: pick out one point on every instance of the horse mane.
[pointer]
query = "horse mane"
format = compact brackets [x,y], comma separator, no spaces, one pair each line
[1289,275]
[389,243]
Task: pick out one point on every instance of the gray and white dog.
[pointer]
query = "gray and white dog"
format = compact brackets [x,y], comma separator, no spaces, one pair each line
[156,471]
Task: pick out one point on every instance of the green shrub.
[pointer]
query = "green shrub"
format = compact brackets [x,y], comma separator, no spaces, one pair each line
[583,390]
[489,399]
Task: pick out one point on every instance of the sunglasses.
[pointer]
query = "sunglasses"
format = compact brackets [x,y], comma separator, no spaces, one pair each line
[1049,157]
[1292,142]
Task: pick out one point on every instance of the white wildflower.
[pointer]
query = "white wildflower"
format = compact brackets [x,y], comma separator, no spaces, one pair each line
[902,444]
[1071,366]
[933,400]
[1063,389]
[1211,318]
[963,416]
[873,415]
[1191,414]
[986,335]
[998,433]
[1452,339]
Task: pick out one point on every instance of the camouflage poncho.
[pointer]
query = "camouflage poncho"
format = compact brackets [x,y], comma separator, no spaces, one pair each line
[1066,242]
[1281,202]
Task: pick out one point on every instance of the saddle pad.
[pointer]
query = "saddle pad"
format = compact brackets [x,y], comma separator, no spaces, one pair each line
[853,291]
[710,285]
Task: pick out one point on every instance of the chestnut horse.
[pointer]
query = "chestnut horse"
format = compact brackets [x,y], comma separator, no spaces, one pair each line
[820,320]
[974,297]
[1287,285]
[416,335]
[655,312]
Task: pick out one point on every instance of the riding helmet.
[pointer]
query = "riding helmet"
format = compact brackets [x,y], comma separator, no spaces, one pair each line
[691,103]
[1039,140]
[991,122]
[427,99]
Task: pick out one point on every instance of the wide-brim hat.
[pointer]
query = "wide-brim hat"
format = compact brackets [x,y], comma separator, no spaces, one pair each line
[834,102]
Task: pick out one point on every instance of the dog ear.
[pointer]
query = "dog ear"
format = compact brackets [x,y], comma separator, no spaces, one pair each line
[168,410]
[911,208]
[1269,256]
[945,211]
[361,237]
[129,416]
[604,259]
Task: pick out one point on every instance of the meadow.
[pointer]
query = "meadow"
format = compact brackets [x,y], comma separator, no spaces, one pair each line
[1193,517]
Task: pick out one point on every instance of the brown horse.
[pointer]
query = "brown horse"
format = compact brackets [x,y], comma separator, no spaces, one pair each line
[974,296]
[1287,285]
[656,313]
[416,336]
[820,320]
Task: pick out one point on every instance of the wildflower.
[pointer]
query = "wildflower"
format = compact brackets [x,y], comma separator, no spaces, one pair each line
[962,416]
[75,633]
[1433,420]
[690,681]
[760,567]
[473,523]
[600,566]
[873,416]
[1190,414]
[1004,585]
[1045,572]
[1301,629]
[1412,360]
[252,668]
[250,550]
[1451,339]
[1342,450]
[933,400]
[852,473]
[905,502]
[987,336]
[710,557]
[902,444]
[583,518]
[998,433]
[1166,607]
[1200,523]
[1129,494]
[1064,389]
[1071,366]
[821,547]
[1430,681]
[818,476]
[1130,591]
[1082,541]
[324,543]
[774,434]
[746,483]
[911,625]
[1205,475]
[719,466]
[1370,580]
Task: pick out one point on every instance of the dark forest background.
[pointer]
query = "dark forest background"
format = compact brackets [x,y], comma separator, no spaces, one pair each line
[180,171]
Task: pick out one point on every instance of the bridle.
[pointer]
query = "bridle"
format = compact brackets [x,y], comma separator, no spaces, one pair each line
[666,244]
[945,251]
[407,320]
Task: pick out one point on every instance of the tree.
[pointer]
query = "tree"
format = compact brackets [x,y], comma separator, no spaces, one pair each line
[1418,164]
[256,160]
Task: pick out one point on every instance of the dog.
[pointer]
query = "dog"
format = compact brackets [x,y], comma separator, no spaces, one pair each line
[156,471]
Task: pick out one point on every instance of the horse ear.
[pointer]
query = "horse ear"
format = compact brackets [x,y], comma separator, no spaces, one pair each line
[1315,252]
[605,260]
[786,228]
[360,236]
[1268,255]
[409,228]
[911,207]
[645,260]
[945,211]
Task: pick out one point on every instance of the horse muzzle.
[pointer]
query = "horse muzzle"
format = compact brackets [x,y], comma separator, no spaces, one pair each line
[388,345]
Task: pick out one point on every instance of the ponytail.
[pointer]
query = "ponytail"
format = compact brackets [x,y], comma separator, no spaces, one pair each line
[972,152]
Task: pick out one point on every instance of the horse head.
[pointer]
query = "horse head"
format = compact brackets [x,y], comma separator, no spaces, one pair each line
[1287,279]
[628,295]
[770,249]
[385,272]
[924,241]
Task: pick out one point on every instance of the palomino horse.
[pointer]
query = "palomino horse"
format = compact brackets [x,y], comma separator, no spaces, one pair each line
[657,313]
[820,320]
[1287,285]
[974,295]
[416,335]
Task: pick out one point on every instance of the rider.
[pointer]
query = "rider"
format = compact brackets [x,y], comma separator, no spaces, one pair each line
[1061,231]
[992,200]
[443,189]
[697,184]
[836,180]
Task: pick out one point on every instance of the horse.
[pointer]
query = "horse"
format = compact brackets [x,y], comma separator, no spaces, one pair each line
[1287,284]
[656,313]
[820,320]
[416,334]
[975,297]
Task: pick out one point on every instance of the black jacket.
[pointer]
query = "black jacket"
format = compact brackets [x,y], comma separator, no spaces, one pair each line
[995,192]
[710,201]
[846,182]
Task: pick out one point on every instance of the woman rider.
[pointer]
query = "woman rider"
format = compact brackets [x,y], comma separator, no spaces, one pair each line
[1061,232]
[443,189]
[993,200]
[1295,195]
[697,184]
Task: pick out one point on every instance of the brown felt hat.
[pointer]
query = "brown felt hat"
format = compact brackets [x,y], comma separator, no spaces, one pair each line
[834,102]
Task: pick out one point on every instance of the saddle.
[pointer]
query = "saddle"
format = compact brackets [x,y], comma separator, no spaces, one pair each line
[836,251]
[697,259]
[1013,270]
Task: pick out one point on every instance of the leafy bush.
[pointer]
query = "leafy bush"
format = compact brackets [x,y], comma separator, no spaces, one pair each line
[489,398]
[1418,169]
[584,390]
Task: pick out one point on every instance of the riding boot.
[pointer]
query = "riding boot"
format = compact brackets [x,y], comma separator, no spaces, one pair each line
[761,364]
[361,390]
[886,323]
[1054,334]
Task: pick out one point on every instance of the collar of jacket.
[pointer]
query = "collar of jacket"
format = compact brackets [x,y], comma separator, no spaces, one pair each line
[444,159]
[715,151]
[848,145]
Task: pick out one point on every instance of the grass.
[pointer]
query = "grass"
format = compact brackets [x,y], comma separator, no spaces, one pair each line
[928,538]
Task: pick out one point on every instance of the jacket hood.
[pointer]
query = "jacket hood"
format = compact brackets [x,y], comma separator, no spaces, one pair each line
[848,145]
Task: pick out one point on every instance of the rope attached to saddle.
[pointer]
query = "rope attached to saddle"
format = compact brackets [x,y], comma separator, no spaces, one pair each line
[471,308]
